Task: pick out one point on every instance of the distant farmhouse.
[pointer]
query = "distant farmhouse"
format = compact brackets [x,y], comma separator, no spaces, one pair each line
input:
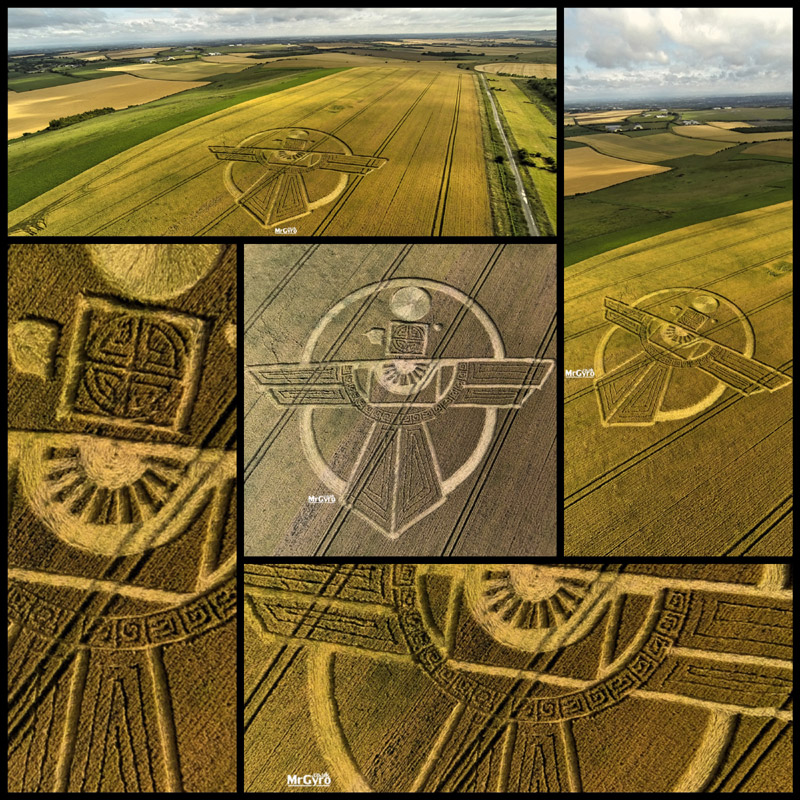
[690,122]
[147,60]
[613,128]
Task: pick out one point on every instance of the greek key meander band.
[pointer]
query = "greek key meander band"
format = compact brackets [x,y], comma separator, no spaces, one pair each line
[196,616]
[604,694]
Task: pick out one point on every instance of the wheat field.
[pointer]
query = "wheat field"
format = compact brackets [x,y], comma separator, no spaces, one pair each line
[586,170]
[523,70]
[711,132]
[32,111]
[712,460]
[649,149]
[418,129]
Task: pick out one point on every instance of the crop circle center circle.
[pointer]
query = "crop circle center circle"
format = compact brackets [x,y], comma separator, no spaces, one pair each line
[532,583]
[410,303]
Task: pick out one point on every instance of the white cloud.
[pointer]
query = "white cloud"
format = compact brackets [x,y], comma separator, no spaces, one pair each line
[52,26]
[682,49]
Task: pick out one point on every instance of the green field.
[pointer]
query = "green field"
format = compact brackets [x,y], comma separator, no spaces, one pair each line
[528,55]
[697,188]
[533,129]
[188,70]
[736,114]
[42,161]
[569,131]
[26,82]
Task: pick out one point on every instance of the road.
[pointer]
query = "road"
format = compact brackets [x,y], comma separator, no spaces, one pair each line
[534,231]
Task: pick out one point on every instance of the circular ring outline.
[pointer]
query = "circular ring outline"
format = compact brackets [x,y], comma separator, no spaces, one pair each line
[710,399]
[313,454]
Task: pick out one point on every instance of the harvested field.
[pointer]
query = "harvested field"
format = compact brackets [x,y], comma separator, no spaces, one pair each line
[728,125]
[435,678]
[568,121]
[178,70]
[599,117]
[32,111]
[136,52]
[656,457]
[783,148]
[524,70]
[417,166]
[649,149]
[83,57]
[462,460]
[79,53]
[586,170]
[122,541]
[718,135]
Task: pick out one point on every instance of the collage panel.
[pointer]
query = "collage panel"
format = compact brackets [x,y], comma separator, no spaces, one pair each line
[329,136]
[678,287]
[400,399]
[122,505]
[499,300]
[460,677]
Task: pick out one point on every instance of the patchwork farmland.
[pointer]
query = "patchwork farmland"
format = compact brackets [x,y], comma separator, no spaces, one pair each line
[648,149]
[586,170]
[31,111]
[678,253]
[355,144]
[611,203]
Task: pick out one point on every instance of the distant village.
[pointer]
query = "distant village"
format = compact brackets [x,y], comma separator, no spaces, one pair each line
[660,114]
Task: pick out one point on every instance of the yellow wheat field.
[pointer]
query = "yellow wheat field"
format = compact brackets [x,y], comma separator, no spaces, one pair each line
[586,170]
[649,149]
[782,147]
[88,56]
[419,130]
[719,135]
[599,117]
[652,489]
[728,125]
[236,58]
[178,70]
[523,70]
[32,111]
[136,52]
[315,60]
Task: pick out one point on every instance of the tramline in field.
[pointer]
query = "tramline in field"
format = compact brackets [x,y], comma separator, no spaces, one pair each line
[385,150]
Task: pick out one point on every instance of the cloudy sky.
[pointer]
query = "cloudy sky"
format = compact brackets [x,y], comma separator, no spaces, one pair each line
[662,52]
[35,27]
